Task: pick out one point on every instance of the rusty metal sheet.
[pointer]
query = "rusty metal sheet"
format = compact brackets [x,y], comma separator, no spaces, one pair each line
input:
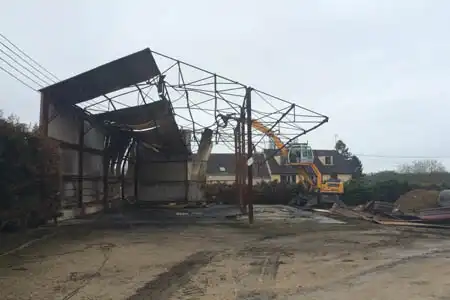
[166,134]
[107,78]
[137,114]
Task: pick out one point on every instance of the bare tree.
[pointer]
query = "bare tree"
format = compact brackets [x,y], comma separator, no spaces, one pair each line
[422,166]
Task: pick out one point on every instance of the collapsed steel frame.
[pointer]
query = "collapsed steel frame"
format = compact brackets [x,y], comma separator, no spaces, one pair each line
[198,98]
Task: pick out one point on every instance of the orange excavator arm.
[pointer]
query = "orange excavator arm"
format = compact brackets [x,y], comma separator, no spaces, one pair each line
[260,127]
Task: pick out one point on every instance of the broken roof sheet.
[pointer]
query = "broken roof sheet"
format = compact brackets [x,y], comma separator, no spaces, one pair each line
[136,115]
[166,134]
[107,78]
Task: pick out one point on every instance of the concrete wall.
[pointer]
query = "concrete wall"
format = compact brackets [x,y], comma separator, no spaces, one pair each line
[64,125]
[161,178]
[168,178]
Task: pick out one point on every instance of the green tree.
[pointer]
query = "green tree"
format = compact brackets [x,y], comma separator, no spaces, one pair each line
[29,174]
[358,167]
[342,149]
[356,163]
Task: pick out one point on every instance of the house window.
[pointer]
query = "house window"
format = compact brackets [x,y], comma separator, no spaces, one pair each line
[328,160]
[222,169]
[288,178]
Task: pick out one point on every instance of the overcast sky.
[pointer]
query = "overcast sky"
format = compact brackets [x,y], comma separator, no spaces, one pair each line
[378,69]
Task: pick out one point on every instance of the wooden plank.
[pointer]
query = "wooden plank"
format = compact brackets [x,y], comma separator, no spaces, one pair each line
[406,223]
[322,210]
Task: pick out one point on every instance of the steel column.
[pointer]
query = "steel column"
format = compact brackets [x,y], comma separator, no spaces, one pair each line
[44,116]
[242,163]
[80,165]
[136,170]
[249,154]
[106,167]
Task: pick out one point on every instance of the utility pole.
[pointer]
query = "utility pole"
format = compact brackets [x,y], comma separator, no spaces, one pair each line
[242,163]
[250,161]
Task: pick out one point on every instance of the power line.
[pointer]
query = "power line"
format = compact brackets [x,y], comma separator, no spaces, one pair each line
[23,74]
[28,63]
[30,58]
[53,78]
[17,78]
[35,78]
[18,63]
[401,156]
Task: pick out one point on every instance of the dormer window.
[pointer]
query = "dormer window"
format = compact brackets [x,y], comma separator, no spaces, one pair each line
[328,160]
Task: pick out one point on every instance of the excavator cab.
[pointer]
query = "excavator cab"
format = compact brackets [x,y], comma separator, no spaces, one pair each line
[300,154]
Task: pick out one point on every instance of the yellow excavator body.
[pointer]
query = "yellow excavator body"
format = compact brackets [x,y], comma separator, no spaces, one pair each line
[332,188]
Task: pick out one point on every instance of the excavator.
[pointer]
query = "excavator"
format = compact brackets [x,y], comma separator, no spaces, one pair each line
[300,155]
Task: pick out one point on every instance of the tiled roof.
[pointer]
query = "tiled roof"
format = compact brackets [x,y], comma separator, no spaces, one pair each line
[276,168]
[225,164]
[340,164]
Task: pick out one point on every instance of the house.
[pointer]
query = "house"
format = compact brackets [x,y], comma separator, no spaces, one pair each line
[221,167]
[327,161]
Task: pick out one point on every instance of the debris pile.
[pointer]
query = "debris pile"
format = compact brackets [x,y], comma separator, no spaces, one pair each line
[444,198]
[421,208]
[416,200]
[378,207]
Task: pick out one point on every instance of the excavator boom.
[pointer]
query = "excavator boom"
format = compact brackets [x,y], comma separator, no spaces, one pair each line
[304,176]
[278,143]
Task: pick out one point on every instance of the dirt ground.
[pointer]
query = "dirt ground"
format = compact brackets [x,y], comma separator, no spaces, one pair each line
[278,259]
[415,200]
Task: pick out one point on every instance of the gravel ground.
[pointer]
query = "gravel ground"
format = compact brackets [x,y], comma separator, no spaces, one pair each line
[274,259]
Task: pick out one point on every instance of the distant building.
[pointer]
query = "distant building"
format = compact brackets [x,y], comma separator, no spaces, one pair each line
[327,161]
[222,168]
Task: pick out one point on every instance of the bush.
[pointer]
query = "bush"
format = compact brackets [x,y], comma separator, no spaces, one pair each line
[263,193]
[357,192]
[29,175]
[362,191]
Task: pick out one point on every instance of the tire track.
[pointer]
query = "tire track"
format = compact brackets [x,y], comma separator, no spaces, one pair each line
[176,278]
[270,268]
[266,269]
[349,280]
